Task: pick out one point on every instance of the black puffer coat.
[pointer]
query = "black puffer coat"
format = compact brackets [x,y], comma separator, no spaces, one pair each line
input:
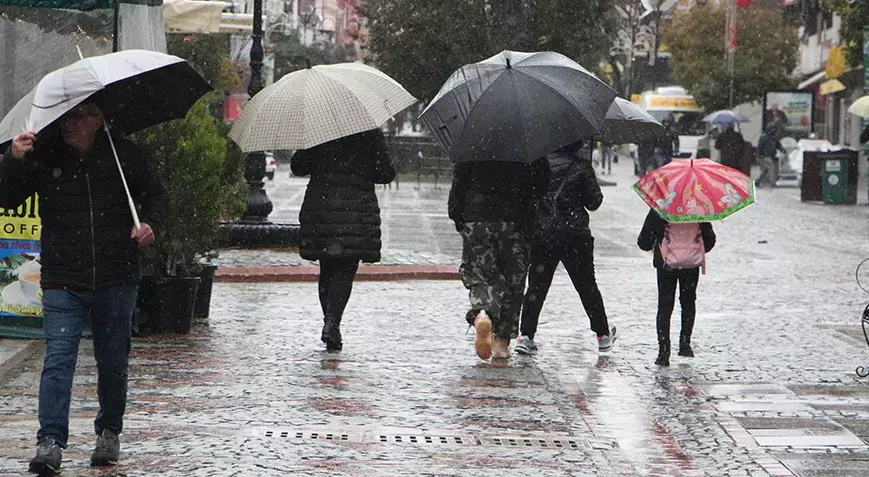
[340,216]
[581,191]
[86,222]
[494,191]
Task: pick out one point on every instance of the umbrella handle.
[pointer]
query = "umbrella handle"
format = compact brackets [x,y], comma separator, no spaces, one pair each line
[123,179]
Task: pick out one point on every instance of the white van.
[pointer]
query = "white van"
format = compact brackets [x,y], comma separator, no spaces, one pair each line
[675,104]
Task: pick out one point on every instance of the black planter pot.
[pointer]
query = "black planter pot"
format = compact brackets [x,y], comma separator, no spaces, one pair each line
[165,305]
[203,295]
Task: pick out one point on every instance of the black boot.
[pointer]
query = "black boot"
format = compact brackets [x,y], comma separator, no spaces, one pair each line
[332,334]
[685,336]
[663,358]
[685,347]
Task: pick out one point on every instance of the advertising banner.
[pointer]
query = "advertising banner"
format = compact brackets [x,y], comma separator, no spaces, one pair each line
[790,112]
[20,293]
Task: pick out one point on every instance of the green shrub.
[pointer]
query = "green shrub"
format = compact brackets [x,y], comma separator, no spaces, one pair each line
[203,178]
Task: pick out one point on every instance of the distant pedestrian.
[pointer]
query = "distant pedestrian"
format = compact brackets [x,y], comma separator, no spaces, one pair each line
[767,148]
[646,157]
[679,253]
[574,190]
[667,146]
[732,147]
[89,265]
[607,153]
[340,216]
[488,202]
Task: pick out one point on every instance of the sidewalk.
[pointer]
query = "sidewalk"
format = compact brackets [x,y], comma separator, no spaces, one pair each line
[772,390]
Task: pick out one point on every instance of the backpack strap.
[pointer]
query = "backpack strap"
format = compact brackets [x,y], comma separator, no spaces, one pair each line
[564,181]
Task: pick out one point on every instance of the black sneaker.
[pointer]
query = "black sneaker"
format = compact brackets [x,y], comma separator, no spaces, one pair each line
[107,451]
[48,457]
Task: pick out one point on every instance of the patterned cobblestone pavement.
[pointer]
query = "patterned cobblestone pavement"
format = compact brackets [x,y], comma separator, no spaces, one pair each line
[772,390]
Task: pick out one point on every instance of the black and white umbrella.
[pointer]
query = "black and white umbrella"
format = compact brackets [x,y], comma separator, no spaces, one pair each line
[135,89]
[517,107]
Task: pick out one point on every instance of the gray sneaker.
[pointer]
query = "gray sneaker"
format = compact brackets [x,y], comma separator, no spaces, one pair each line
[525,345]
[107,451]
[48,457]
[605,342]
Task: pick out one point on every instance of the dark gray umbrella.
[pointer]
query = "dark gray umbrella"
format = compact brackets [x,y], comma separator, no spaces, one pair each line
[626,123]
[517,107]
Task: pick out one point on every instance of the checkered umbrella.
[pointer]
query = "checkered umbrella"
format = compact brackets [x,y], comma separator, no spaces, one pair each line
[317,105]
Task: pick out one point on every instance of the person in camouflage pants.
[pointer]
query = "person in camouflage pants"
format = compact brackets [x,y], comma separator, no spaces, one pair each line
[494,267]
[489,203]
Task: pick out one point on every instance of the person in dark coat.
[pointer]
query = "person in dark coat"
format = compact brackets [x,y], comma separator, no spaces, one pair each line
[767,148]
[340,217]
[668,144]
[489,203]
[572,179]
[864,136]
[650,239]
[646,157]
[90,264]
[732,147]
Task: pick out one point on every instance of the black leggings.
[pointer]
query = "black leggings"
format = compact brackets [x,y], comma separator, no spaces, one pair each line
[687,281]
[577,254]
[336,284]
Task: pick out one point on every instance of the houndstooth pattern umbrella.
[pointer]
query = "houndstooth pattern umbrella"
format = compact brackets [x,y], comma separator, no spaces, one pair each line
[317,105]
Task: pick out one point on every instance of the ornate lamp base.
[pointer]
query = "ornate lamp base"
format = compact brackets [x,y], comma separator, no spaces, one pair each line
[243,234]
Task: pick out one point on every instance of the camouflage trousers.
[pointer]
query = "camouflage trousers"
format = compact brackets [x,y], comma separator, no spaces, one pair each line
[494,267]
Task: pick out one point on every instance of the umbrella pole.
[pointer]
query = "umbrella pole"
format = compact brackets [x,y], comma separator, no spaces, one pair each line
[123,179]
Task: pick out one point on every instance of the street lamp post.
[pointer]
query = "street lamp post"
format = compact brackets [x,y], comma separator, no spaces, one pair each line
[254,229]
[258,204]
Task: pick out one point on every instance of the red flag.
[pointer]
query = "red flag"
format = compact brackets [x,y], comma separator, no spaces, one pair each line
[732,36]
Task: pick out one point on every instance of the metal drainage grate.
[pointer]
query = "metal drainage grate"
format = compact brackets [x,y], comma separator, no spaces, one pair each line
[425,439]
[558,443]
[548,443]
[326,436]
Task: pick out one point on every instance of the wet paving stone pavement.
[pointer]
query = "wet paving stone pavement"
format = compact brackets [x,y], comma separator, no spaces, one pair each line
[772,390]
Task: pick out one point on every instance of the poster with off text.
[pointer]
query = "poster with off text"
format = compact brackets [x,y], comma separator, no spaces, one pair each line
[20,292]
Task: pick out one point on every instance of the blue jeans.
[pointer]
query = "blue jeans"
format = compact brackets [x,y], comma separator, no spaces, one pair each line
[64,312]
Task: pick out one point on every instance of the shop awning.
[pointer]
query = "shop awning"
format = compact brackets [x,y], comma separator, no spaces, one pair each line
[64,4]
[188,16]
[831,86]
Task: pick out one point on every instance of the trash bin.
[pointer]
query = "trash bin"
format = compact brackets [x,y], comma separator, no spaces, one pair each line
[839,177]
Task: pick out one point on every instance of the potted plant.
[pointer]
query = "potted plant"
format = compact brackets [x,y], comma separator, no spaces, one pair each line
[202,176]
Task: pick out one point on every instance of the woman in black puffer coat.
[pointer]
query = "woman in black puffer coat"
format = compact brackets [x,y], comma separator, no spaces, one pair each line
[340,217]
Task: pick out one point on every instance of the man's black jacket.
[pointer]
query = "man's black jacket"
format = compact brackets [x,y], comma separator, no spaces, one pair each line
[86,222]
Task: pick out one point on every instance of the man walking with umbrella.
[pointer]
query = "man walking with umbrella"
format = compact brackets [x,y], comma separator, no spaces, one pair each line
[488,203]
[90,264]
[494,119]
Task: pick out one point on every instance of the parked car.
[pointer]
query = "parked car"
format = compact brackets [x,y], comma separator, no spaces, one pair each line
[271,165]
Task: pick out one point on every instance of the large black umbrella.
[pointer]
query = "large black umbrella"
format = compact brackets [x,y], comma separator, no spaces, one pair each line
[517,107]
[626,123]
